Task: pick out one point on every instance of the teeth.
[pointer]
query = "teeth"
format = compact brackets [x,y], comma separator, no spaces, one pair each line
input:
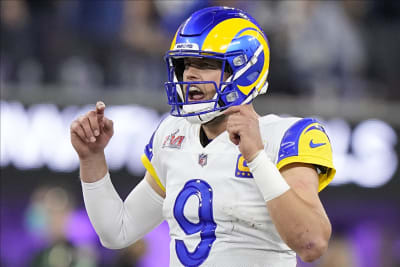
[194,89]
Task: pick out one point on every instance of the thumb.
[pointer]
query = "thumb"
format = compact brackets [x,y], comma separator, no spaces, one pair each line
[108,125]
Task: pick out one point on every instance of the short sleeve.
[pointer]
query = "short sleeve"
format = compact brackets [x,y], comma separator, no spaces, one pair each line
[306,141]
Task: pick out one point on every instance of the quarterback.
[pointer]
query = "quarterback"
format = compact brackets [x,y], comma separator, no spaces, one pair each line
[237,189]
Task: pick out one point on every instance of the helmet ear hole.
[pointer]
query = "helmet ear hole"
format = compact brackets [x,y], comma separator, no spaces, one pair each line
[179,67]
[221,103]
[228,68]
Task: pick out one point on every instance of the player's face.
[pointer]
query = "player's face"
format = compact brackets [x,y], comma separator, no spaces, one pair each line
[202,69]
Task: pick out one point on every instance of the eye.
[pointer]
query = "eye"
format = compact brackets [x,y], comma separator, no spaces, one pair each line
[197,65]
[203,65]
[211,66]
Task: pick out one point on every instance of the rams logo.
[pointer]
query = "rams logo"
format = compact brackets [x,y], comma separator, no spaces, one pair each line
[242,170]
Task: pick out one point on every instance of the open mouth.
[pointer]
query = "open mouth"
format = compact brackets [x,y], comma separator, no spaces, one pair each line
[195,94]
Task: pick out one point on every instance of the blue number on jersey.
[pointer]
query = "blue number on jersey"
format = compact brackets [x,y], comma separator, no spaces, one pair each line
[206,225]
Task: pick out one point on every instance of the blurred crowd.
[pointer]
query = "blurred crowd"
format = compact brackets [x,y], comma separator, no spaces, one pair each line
[343,49]
[63,236]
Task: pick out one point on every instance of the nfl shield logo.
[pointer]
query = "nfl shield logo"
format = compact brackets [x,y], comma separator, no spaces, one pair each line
[203,159]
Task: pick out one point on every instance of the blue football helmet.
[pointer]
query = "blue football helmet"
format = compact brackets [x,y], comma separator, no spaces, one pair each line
[235,39]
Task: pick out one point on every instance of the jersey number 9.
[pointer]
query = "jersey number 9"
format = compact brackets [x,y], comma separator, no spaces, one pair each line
[206,225]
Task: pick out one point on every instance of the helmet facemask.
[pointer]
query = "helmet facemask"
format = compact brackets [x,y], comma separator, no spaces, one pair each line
[177,90]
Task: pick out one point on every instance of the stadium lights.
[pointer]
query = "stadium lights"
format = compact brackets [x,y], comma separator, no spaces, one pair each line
[38,136]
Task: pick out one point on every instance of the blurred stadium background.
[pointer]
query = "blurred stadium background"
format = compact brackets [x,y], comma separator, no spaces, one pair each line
[337,60]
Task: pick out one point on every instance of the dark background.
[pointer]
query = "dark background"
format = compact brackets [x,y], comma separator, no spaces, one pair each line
[333,59]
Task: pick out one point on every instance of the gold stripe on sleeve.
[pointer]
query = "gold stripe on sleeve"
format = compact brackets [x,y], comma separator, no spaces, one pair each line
[149,167]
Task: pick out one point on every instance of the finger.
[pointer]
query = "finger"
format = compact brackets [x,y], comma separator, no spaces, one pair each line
[108,125]
[78,139]
[100,107]
[235,138]
[234,133]
[84,122]
[232,110]
[94,123]
[77,130]
[236,118]
[236,123]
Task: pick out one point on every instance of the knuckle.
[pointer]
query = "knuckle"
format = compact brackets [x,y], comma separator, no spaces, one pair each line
[81,118]
[91,113]
[74,125]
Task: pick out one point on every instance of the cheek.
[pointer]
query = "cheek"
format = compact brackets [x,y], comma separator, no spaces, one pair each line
[210,90]
[216,77]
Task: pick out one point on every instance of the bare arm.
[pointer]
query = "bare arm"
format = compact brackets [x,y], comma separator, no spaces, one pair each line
[297,211]
[154,185]
[299,215]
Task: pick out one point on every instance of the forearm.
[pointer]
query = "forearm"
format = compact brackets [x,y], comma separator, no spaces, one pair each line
[303,225]
[119,223]
[93,168]
[293,203]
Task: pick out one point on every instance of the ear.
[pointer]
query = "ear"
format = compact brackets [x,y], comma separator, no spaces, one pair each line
[226,76]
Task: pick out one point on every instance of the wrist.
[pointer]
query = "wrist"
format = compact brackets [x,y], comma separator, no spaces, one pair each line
[93,157]
[267,176]
[93,168]
[252,157]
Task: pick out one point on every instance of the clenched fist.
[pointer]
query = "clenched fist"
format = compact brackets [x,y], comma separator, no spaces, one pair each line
[90,133]
[244,130]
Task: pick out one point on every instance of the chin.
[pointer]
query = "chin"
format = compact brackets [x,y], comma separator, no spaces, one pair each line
[216,120]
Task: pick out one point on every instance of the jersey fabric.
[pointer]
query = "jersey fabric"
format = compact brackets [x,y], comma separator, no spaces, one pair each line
[214,209]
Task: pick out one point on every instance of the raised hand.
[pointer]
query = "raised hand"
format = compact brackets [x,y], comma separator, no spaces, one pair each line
[244,130]
[90,133]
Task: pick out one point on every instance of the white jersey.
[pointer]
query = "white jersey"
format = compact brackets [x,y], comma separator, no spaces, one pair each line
[214,209]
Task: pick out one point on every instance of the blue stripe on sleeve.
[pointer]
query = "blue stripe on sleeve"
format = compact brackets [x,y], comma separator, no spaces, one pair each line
[289,144]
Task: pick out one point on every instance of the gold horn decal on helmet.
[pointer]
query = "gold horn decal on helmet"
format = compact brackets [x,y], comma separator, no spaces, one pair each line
[219,38]
[246,89]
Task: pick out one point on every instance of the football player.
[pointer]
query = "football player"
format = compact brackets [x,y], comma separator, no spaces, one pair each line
[236,188]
